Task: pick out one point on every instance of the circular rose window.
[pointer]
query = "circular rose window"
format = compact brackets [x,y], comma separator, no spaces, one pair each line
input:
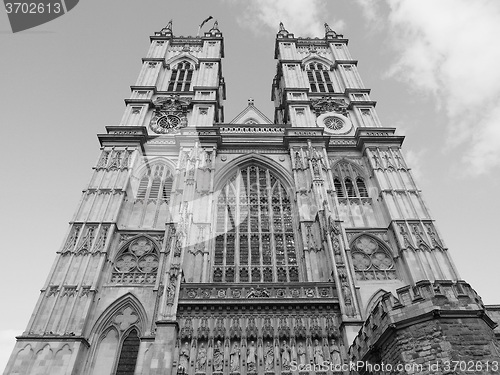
[333,123]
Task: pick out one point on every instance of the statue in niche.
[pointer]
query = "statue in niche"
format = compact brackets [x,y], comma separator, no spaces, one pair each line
[201,359]
[335,359]
[251,358]
[285,355]
[235,358]
[301,354]
[218,356]
[269,357]
[184,356]
[318,352]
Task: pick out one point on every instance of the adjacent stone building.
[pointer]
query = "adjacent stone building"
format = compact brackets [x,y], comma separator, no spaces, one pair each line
[252,246]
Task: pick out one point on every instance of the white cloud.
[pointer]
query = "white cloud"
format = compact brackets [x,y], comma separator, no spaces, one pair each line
[449,49]
[300,17]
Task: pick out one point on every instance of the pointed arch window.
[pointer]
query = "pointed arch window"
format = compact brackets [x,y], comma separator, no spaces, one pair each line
[319,78]
[128,354]
[156,183]
[371,260]
[136,263]
[255,239]
[117,346]
[343,183]
[180,79]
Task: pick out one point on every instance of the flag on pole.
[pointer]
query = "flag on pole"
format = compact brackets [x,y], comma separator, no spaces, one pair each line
[204,22]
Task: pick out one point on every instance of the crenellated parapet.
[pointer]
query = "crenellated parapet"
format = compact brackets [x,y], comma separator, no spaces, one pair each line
[438,321]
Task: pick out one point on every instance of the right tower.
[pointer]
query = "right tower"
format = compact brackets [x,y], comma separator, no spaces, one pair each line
[401,297]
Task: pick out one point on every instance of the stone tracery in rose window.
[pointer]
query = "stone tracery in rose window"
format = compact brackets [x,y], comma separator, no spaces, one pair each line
[371,260]
[136,263]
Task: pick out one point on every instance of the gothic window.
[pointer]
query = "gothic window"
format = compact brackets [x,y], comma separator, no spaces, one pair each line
[156,184]
[136,263]
[181,77]
[255,239]
[319,78]
[343,183]
[128,355]
[371,260]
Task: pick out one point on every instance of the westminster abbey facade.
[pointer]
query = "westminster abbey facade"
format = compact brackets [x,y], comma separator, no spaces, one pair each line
[251,246]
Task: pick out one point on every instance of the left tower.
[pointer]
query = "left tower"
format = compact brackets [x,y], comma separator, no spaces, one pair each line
[108,305]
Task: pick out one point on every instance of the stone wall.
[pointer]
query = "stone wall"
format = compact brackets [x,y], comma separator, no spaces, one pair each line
[439,328]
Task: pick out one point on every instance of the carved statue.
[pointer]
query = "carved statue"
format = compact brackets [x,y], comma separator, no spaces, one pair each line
[318,352]
[218,356]
[335,359]
[301,354]
[251,358]
[269,357]
[184,356]
[235,358]
[201,360]
[285,355]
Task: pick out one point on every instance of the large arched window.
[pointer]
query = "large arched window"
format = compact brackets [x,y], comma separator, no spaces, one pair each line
[181,77]
[255,239]
[319,78]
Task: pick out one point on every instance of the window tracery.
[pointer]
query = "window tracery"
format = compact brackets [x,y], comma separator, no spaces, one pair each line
[344,175]
[319,78]
[156,184]
[255,240]
[372,261]
[180,79]
[136,263]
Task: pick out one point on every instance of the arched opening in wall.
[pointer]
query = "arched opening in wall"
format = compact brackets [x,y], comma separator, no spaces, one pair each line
[115,339]
[255,239]
[157,179]
[351,190]
[128,354]
[319,77]
[181,76]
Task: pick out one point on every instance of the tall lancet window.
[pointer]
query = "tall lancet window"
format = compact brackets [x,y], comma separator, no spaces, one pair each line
[181,77]
[319,78]
[255,239]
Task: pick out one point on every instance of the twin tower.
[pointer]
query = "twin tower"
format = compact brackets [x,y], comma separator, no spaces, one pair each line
[296,246]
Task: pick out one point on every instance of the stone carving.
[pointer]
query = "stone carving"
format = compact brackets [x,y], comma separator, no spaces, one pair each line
[335,358]
[203,330]
[318,352]
[235,357]
[184,356]
[126,318]
[327,104]
[218,356]
[301,354]
[171,290]
[285,356]
[187,329]
[251,358]
[269,357]
[170,114]
[137,263]
[258,293]
[201,359]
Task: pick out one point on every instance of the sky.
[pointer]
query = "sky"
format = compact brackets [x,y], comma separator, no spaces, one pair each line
[432,67]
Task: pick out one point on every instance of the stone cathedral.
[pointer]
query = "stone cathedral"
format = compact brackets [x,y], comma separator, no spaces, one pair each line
[297,245]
